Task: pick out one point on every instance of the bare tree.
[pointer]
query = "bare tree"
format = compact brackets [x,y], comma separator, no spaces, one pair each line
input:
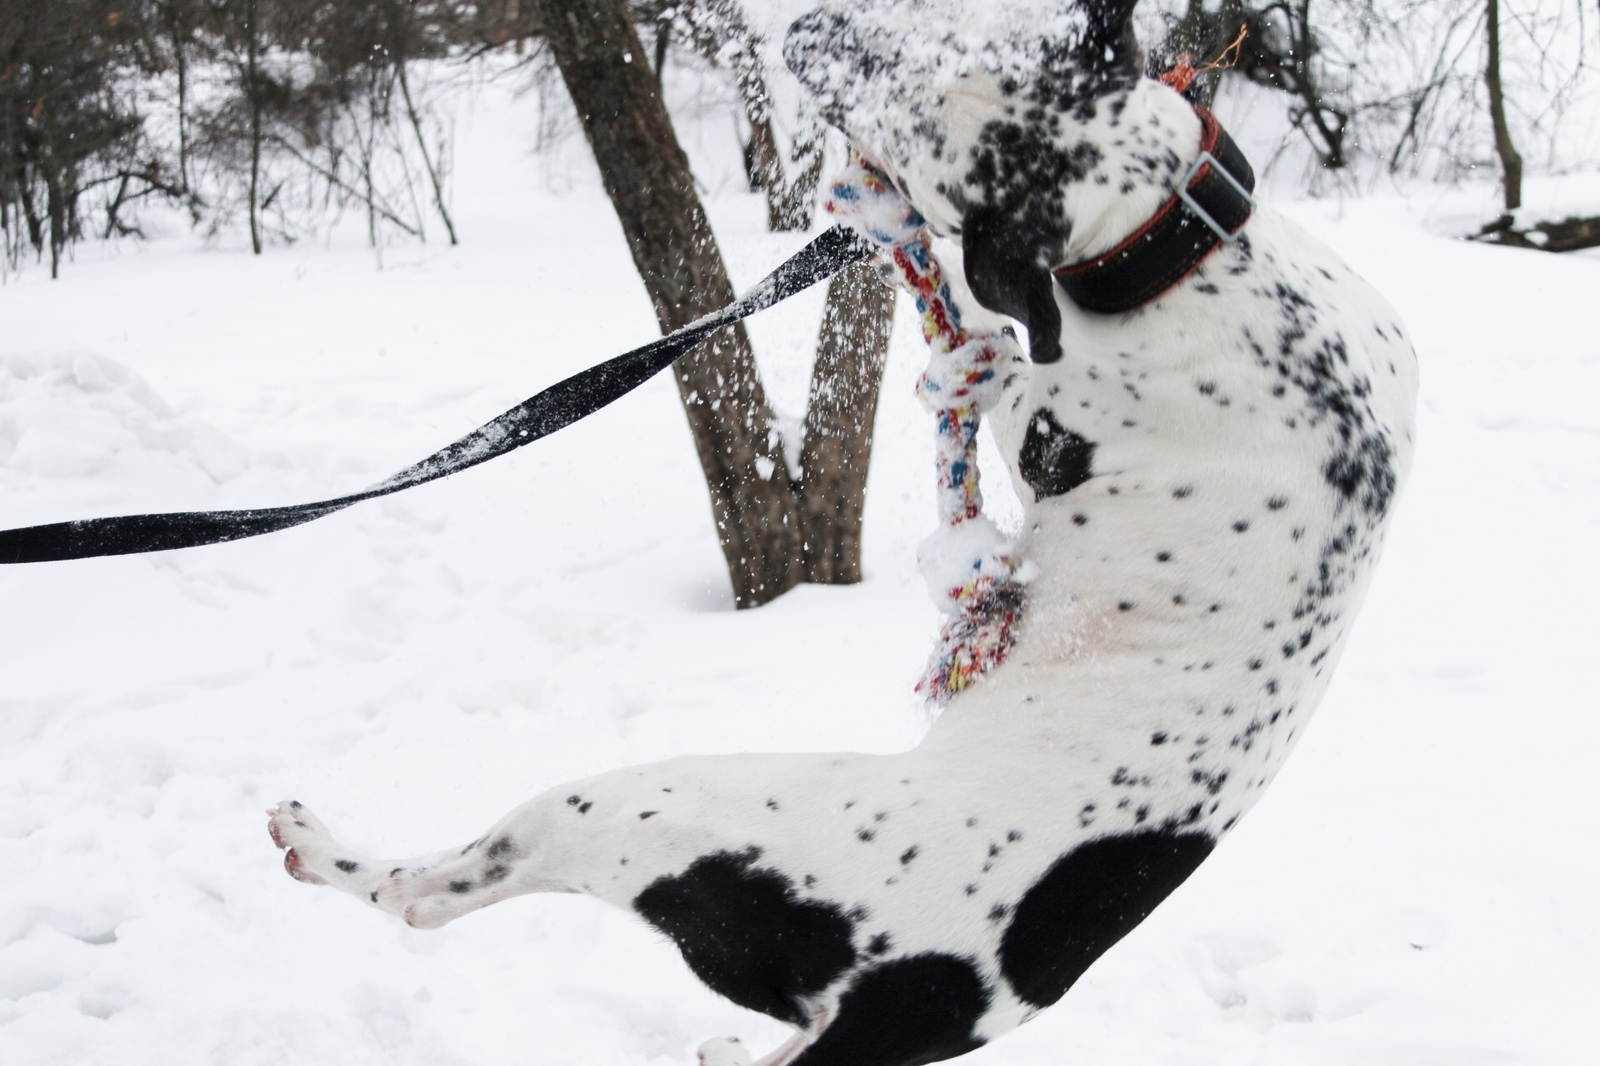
[1282,49]
[721,35]
[1417,87]
[602,62]
[775,530]
[64,130]
[1510,159]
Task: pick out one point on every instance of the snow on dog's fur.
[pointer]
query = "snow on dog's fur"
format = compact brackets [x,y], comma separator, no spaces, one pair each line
[1208,482]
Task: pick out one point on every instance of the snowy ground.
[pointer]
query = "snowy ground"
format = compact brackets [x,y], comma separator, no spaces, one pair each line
[1417,888]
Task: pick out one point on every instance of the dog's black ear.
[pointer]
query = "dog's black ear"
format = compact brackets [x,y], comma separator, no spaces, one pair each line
[1109,42]
[1007,272]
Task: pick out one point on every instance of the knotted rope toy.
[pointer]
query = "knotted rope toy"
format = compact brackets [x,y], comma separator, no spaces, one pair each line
[973,572]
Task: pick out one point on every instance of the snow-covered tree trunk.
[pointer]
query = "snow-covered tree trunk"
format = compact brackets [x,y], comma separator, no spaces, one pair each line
[721,34]
[838,426]
[646,174]
[775,530]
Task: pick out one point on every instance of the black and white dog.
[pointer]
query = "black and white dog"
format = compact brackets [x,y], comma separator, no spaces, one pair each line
[1208,480]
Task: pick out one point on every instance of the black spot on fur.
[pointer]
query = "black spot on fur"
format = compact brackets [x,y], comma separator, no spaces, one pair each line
[647,814]
[499,848]
[459,887]
[349,866]
[1089,899]
[748,936]
[906,1012]
[1054,460]
[879,944]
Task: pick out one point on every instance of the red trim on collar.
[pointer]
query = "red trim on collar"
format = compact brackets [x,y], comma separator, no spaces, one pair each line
[1174,241]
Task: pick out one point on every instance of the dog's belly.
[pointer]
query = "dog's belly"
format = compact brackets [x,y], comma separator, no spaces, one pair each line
[783,878]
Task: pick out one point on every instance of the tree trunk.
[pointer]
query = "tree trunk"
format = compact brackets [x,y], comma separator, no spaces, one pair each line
[36,226]
[180,51]
[434,178]
[1510,160]
[646,174]
[253,102]
[55,204]
[851,350]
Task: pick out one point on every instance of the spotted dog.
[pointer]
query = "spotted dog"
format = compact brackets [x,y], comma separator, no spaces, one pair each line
[1208,480]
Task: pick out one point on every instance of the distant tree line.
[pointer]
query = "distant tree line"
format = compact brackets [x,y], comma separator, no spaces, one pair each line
[252,108]
[1432,88]
[276,112]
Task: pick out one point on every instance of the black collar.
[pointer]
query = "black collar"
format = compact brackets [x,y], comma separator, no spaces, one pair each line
[1210,207]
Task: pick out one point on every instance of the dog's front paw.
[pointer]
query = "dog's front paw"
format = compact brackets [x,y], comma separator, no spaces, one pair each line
[724,1052]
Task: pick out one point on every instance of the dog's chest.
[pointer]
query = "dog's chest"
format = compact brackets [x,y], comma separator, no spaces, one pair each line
[1208,483]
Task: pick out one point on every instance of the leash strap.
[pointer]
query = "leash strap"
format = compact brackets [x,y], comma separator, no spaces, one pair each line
[1212,203]
[538,416]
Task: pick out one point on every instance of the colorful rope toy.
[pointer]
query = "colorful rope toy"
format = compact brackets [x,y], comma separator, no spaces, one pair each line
[973,572]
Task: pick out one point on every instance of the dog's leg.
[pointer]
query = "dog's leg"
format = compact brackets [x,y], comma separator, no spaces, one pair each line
[608,836]
[532,849]
[426,892]
[721,1052]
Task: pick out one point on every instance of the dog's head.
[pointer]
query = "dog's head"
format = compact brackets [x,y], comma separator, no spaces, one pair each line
[980,113]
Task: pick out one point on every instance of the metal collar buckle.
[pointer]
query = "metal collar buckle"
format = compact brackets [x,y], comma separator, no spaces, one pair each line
[1193,205]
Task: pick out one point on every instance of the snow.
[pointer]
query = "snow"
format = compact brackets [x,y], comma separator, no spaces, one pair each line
[1417,887]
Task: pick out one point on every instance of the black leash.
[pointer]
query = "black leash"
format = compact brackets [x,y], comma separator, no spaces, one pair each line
[538,416]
